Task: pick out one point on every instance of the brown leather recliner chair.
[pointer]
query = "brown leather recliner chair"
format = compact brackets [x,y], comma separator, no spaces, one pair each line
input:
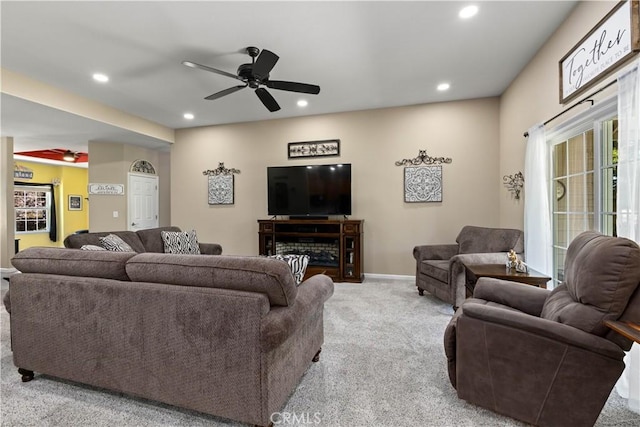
[440,268]
[545,357]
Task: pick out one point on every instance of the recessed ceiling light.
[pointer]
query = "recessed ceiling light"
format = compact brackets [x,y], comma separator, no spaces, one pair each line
[302,103]
[99,77]
[443,86]
[468,12]
[188,116]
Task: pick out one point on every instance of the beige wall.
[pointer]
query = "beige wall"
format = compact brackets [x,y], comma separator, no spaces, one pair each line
[7,234]
[533,98]
[466,131]
[109,163]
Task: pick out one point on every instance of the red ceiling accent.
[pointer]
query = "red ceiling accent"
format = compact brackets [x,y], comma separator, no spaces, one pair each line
[56,154]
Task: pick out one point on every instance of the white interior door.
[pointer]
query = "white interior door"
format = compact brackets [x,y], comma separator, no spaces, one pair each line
[143,202]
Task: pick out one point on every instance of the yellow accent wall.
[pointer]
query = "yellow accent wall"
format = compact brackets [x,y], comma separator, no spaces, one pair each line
[73,180]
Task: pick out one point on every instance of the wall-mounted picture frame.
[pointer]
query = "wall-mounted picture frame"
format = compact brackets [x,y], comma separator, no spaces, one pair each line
[325,148]
[221,189]
[423,184]
[75,202]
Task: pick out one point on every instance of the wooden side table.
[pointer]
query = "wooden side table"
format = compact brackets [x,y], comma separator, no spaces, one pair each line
[626,329]
[500,271]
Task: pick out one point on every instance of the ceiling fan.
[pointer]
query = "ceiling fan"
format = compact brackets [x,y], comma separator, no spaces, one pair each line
[256,75]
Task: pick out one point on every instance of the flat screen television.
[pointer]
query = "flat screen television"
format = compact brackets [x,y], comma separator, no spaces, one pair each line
[314,190]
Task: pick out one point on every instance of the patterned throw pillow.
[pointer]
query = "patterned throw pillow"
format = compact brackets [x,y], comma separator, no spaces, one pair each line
[114,243]
[180,242]
[92,248]
[297,264]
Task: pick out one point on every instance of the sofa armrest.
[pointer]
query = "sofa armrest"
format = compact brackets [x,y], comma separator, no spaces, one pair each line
[482,258]
[210,248]
[526,298]
[457,271]
[524,323]
[282,322]
[424,252]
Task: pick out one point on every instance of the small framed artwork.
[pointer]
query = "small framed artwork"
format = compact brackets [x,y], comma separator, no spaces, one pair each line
[75,202]
[329,147]
[221,189]
[423,184]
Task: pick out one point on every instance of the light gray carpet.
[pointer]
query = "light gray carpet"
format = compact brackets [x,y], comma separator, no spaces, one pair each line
[382,364]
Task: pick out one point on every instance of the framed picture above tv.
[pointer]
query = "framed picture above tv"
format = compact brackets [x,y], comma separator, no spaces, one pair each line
[329,147]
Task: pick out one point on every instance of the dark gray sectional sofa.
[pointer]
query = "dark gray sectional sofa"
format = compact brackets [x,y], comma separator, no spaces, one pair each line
[228,336]
[149,240]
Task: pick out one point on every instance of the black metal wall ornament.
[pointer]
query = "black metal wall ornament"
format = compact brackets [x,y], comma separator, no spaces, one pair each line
[221,185]
[514,184]
[220,170]
[423,158]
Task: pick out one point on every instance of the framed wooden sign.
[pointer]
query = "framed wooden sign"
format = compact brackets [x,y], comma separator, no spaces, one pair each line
[606,47]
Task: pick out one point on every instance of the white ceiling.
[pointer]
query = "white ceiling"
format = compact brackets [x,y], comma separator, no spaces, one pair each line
[363,55]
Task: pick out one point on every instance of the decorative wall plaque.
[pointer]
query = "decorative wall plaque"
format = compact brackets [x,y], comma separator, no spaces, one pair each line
[221,189]
[329,147]
[423,184]
[107,189]
[608,45]
[220,185]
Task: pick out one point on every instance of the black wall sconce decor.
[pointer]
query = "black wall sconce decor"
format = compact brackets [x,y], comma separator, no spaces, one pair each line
[514,183]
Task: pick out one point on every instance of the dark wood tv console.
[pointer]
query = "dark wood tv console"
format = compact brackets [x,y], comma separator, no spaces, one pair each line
[334,246]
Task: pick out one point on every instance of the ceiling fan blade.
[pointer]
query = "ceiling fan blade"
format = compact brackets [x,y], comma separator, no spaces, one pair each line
[264,64]
[293,86]
[224,92]
[213,70]
[267,99]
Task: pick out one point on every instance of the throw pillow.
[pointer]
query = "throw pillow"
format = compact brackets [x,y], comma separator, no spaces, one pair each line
[114,243]
[92,248]
[180,242]
[297,264]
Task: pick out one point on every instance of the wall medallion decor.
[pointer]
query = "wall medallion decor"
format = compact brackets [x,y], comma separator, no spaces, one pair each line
[329,147]
[606,47]
[514,183]
[423,183]
[221,185]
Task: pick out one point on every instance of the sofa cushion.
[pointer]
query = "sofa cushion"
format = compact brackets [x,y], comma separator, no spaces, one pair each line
[253,274]
[438,269]
[601,275]
[111,242]
[73,262]
[151,238]
[76,241]
[180,242]
[482,239]
[297,264]
[92,248]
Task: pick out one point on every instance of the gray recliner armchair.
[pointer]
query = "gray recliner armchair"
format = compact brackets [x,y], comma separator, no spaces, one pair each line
[440,268]
[546,357]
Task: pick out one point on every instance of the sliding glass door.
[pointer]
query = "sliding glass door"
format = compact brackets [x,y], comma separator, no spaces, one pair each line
[583,183]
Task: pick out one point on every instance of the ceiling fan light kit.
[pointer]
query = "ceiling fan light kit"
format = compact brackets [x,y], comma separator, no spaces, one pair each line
[256,75]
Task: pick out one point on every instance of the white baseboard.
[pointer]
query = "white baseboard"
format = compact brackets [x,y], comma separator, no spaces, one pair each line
[389,277]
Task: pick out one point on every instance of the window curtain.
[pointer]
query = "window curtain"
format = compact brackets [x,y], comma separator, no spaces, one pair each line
[537,221]
[628,204]
[53,224]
